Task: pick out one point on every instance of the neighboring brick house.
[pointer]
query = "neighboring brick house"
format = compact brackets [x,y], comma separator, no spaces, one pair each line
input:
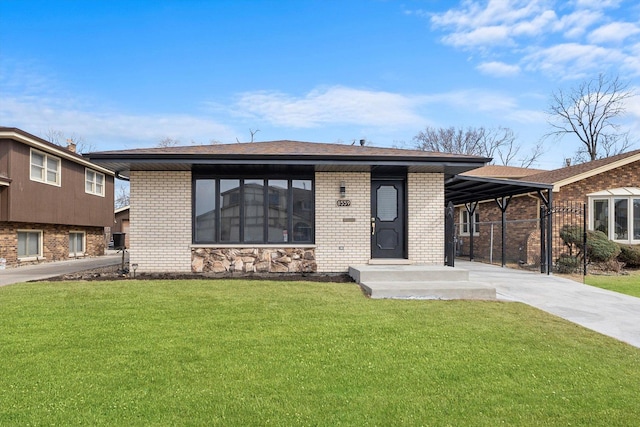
[284,206]
[54,203]
[609,187]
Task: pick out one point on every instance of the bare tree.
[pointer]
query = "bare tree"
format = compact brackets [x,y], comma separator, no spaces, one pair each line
[58,137]
[496,143]
[253,134]
[122,194]
[589,111]
[168,142]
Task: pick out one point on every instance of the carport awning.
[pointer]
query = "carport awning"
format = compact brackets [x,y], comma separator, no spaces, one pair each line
[468,189]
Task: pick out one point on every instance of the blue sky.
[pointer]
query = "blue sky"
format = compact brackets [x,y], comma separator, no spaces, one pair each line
[126,74]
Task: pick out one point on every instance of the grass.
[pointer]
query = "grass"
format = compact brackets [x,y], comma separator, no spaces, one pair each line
[629,285]
[288,353]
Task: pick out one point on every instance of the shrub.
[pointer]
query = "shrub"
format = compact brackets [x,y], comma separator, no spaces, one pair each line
[630,255]
[600,248]
[567,264]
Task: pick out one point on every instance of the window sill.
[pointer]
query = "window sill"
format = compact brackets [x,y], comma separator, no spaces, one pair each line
[31,258]
[248,245]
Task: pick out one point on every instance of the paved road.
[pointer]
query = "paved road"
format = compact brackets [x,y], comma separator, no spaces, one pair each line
[53,269]
[610,313]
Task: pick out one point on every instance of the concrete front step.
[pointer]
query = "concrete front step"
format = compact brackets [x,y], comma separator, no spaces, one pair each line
[440,290]
[419,282]
[407,273]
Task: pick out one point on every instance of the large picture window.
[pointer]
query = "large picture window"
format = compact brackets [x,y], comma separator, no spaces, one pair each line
[45,168]
[253,210]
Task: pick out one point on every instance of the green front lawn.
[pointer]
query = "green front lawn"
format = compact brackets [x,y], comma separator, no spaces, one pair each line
[287,353]
[629,285]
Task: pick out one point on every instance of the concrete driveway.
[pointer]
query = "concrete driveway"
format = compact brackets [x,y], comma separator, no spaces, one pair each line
[609,313]
[53,269]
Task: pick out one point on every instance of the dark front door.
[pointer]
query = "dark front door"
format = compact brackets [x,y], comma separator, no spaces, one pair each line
[387,219]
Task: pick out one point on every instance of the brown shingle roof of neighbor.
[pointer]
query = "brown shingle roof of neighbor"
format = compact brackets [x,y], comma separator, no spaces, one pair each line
[283,148]
[506,172]
[566,173]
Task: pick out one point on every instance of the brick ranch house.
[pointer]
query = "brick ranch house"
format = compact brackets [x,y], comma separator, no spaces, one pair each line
[609,187]
[284,206]
[54,203]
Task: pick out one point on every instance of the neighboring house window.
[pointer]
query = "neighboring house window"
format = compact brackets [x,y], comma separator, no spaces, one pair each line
[253,210]
[29,244]
[94,182]
[617,216]
[45,168]
[76,243]
[466,226]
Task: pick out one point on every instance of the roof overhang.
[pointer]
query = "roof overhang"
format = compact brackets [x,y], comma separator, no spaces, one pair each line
[123,164]
[469,189]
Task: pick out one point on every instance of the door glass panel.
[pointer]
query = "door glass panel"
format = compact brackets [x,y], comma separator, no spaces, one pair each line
[387,203]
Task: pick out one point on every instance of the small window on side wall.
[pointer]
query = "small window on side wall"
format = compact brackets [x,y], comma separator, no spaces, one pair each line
[76,243]
[94,182]
[29,244]
[466,226]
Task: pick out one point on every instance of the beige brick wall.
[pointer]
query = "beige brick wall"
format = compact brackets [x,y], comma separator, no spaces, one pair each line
[425,197]
[341,243]
[160,221]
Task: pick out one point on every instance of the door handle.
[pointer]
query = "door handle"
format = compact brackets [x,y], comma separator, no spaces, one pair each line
[373,226]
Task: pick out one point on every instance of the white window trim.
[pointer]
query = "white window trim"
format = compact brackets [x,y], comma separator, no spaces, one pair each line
[93,183]
[84,243]
[58,182]
[40,246]
[471,225]
[611,217]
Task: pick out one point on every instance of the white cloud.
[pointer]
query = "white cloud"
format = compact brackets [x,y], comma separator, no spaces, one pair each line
[569,39]
[102,128]
[491,24]
[614,32]
[574,25]
[571,60]
[498,69]
[336,105]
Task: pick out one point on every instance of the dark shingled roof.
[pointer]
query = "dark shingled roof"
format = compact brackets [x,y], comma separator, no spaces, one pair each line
[557,175]
[286,153]
[281,148]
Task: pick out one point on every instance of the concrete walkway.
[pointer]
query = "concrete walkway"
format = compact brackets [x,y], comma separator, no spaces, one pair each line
[53,269]
[609,313]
